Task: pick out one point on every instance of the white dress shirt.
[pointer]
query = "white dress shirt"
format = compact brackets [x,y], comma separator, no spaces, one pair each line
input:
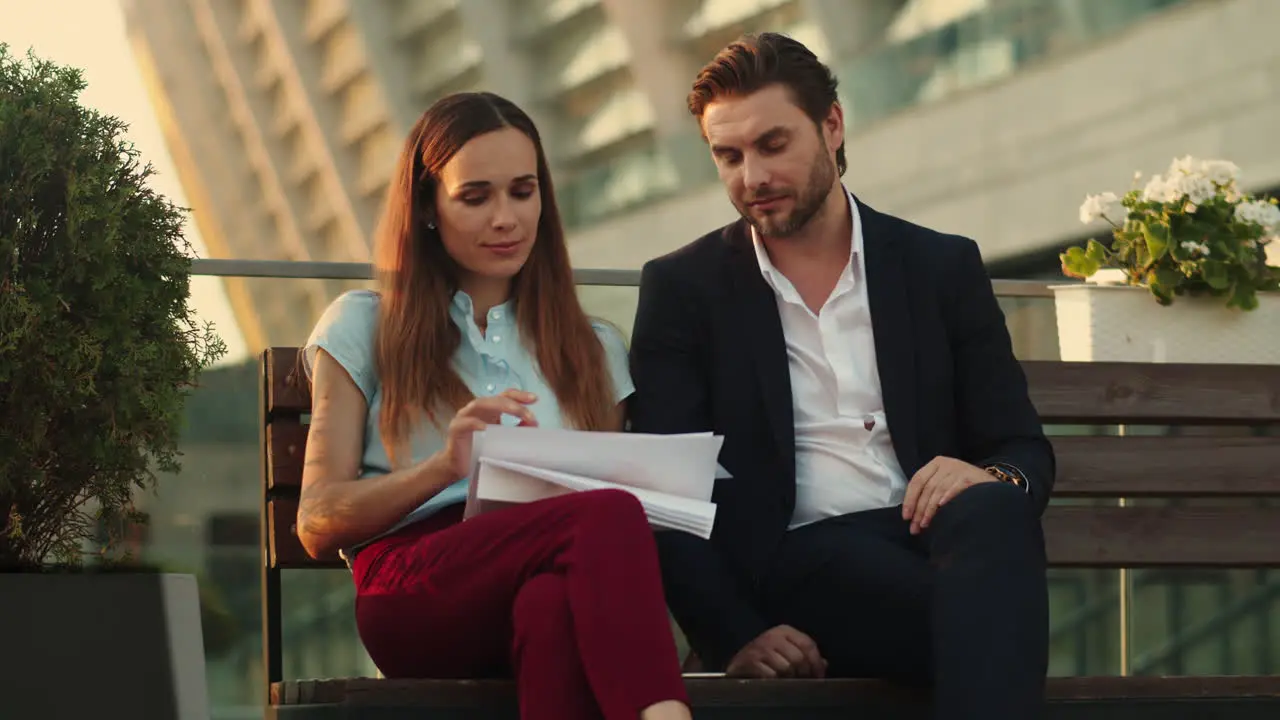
[844,451]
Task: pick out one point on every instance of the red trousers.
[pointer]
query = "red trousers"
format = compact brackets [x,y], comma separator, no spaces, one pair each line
[564,592]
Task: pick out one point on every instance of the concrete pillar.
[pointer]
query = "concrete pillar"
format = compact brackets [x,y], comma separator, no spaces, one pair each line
[852,26]
[386,57]
[493,25]
[662,70]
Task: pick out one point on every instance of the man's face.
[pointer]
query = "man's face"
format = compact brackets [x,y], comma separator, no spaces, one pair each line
[777,167]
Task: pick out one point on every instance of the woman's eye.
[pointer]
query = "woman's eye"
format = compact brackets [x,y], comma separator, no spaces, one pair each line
[473,200]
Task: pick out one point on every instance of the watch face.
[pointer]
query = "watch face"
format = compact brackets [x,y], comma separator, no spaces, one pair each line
[1004,476]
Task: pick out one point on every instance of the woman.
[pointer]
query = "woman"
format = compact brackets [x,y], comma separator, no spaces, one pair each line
[477,320]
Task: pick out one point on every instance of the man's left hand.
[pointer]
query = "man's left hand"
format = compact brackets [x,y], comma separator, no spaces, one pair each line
[935,485]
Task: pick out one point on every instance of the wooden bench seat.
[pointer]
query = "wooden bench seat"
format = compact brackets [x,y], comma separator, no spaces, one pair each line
[1099,698]
[1192,499]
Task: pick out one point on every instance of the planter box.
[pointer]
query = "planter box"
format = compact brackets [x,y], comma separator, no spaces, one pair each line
[1121,323]
[96,645]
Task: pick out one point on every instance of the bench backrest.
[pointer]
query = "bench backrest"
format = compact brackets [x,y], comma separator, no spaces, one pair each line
[1102,468]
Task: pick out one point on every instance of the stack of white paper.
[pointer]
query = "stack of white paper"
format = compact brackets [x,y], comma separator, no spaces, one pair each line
[672,475]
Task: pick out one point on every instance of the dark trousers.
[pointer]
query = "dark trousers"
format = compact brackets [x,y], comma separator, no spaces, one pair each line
[566,593]
[962,607]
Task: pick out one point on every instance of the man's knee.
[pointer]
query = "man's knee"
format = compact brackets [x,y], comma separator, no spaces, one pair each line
[994,508]
[677,542]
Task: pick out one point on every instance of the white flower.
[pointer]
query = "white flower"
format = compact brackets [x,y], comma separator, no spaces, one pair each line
[1185,165]
[1196,187]
[1179,184]
[1105,205]
[1159,189]
[1222,173]
[1195,248]
[1257,211]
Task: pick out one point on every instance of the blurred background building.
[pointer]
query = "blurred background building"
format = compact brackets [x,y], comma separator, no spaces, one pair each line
[990,118]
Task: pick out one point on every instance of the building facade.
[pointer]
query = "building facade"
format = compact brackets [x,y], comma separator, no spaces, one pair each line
[985,117]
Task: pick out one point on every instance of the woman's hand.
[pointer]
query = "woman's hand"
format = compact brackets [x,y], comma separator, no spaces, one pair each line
[475,416]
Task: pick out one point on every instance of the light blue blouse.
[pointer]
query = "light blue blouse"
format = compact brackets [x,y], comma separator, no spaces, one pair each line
[488,363]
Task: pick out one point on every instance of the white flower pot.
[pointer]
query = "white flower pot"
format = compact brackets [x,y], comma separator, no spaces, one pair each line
[1120,323]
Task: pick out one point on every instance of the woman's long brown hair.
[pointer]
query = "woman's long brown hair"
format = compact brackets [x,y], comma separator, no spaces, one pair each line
[415,337]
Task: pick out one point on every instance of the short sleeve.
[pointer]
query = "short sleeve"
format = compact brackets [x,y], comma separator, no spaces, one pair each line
[345,331]
[615,358]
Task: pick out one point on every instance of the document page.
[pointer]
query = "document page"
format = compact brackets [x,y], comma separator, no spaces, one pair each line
[672,475]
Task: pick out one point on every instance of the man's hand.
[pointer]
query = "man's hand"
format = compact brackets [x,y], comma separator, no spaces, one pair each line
[934,485]
[779,652]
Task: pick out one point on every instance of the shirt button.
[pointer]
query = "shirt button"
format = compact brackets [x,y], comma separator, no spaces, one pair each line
[490,387]
[496,315]
[497,338]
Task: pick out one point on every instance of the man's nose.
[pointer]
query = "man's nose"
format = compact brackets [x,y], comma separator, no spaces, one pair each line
[755,173]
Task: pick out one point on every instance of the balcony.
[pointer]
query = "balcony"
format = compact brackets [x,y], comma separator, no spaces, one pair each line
[585,57]
[715,15]
[322,16]
[444,64]
[538,19]
[418,16]
[919,63]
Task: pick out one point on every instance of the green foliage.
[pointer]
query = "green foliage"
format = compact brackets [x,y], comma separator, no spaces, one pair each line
[1188,232]
[98,347]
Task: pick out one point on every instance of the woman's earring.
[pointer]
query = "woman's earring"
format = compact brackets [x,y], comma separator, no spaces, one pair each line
[431,225]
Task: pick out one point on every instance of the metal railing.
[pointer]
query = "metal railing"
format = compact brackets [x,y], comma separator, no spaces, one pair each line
[615,277]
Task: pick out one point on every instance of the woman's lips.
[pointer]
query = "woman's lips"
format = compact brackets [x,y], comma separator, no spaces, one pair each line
[504,249]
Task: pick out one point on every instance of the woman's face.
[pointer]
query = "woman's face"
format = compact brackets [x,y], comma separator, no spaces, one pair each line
[488,205]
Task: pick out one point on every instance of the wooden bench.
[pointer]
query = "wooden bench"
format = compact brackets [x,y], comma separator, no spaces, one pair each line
[1239,475]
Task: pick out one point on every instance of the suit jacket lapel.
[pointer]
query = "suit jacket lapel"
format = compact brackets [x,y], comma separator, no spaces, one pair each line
[758,321]
[888,289]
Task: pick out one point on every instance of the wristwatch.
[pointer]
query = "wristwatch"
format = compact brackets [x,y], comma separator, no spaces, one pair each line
[1005,472]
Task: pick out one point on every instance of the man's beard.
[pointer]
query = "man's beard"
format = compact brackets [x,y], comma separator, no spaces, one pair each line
[808,201]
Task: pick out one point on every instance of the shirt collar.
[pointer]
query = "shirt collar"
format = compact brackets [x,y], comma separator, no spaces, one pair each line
[462,311]
[774,276]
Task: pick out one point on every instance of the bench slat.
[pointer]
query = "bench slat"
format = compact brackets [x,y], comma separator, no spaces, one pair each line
[710,692]
[1154,394]
[1106,537]
[1087,466]
[287,446]
[287,390]
[1167,466]
[286,550]
[1063,392]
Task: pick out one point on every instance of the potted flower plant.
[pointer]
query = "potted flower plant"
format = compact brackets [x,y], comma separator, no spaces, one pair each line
[1187,238]
[98,351]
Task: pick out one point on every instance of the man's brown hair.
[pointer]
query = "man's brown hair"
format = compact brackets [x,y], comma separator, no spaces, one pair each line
[754,62]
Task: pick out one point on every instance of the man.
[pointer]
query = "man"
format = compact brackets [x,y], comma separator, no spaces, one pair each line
[889,470]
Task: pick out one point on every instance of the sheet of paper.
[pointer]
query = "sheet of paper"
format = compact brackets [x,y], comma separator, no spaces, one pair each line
[503,481]
[682,465]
